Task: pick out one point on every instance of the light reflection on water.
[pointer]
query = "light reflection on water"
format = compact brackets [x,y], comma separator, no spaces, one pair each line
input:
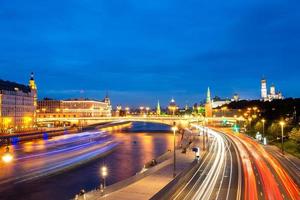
[135,150]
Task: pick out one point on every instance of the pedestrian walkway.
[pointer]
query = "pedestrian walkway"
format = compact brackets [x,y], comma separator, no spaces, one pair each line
[146,187]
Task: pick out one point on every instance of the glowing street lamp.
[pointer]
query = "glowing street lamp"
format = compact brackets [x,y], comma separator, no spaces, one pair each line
[104,173]
[263,133]
[7,156]
[127,109]
[282,127]
[250,120]
[141,109]
[174,129]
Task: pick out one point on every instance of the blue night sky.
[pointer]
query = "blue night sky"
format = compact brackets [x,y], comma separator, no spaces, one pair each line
[144,50]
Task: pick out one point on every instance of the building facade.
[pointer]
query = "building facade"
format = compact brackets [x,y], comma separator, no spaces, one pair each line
[273,94]
[74,108]
[264,91]
[17,106]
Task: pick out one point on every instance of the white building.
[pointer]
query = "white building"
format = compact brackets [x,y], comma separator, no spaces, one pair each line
[264,92]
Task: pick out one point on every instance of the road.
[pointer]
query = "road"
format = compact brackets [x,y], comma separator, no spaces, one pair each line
[271,179]
[218,175]
[35,159]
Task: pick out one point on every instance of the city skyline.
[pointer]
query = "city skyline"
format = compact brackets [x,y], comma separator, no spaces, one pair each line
[152,50]
[97,96]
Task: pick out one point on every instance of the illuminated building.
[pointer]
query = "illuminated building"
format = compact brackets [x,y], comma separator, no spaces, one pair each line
[172,107]
[264,93]
[236,97]
[208,105]
[49,106]
[17,105]
[74,108]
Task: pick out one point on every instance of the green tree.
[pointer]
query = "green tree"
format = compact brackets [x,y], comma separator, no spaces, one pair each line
[295,134]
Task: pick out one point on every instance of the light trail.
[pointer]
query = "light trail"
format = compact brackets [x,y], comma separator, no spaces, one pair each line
[60,153]
[250,187]
[265,163]
[288,183]
[207,181]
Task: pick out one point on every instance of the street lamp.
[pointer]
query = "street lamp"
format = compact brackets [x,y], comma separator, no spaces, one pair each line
[141,109]
[127,110]
[7,156]
[250,120]
[174,129]
[147,110]
[104,173]
[282,126]
[263,133]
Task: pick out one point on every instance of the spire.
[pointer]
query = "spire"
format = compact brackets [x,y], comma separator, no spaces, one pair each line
[208,99]
[158,108]
[32,84]
[106,99]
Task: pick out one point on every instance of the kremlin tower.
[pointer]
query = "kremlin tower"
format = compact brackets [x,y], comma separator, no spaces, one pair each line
[208,105]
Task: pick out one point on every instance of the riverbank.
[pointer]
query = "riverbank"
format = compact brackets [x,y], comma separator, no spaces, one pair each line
[150,180]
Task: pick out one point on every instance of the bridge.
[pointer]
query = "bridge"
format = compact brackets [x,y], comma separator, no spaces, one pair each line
[169,120]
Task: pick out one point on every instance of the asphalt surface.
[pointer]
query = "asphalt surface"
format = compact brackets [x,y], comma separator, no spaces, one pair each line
[218,174]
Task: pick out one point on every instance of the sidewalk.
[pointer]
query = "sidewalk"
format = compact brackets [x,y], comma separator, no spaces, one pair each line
[148,186]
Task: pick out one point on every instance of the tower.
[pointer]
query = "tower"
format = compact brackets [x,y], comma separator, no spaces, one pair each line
[33,89]
[272,90]
[109,107]
[264,91]
[107,100]
[158,111]
[208,104]
[172,107]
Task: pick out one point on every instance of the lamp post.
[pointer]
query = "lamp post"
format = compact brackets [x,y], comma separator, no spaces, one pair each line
[104,174]
[7,156]
[127,110]
[250,124]
[141,110]
[282,126]
[174,129]
[147,110]
[263,132]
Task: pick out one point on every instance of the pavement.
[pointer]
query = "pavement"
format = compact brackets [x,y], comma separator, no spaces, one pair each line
[149,185]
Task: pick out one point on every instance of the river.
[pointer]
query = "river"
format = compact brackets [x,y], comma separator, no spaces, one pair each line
[136,145]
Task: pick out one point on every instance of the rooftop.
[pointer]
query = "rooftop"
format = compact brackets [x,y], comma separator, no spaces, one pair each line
[10,86]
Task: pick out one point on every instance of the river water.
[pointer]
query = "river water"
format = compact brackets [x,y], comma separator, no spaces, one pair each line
[138,144]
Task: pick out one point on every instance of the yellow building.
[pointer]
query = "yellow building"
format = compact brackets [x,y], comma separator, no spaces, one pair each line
[17,106]
[73,108]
